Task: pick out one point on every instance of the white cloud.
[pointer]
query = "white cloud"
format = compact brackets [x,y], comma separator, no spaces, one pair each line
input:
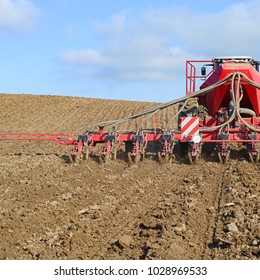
[19,14]
[155,45]
[82,57]
[114,27]
[129,53]
[233,30]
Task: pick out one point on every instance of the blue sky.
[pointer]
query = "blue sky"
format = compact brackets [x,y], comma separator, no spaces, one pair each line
[133,50]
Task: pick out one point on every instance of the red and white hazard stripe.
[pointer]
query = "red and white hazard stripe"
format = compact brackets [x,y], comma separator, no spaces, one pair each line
[189,126]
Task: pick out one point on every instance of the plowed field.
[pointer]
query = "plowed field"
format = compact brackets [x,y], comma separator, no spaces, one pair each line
[50,209]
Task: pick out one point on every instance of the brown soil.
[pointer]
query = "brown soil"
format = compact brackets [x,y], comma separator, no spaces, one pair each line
[50,209]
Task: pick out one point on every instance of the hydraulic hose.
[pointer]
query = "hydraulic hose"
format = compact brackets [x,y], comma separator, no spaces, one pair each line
[162,106]
[247,111]
[250,126]
[234,92]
